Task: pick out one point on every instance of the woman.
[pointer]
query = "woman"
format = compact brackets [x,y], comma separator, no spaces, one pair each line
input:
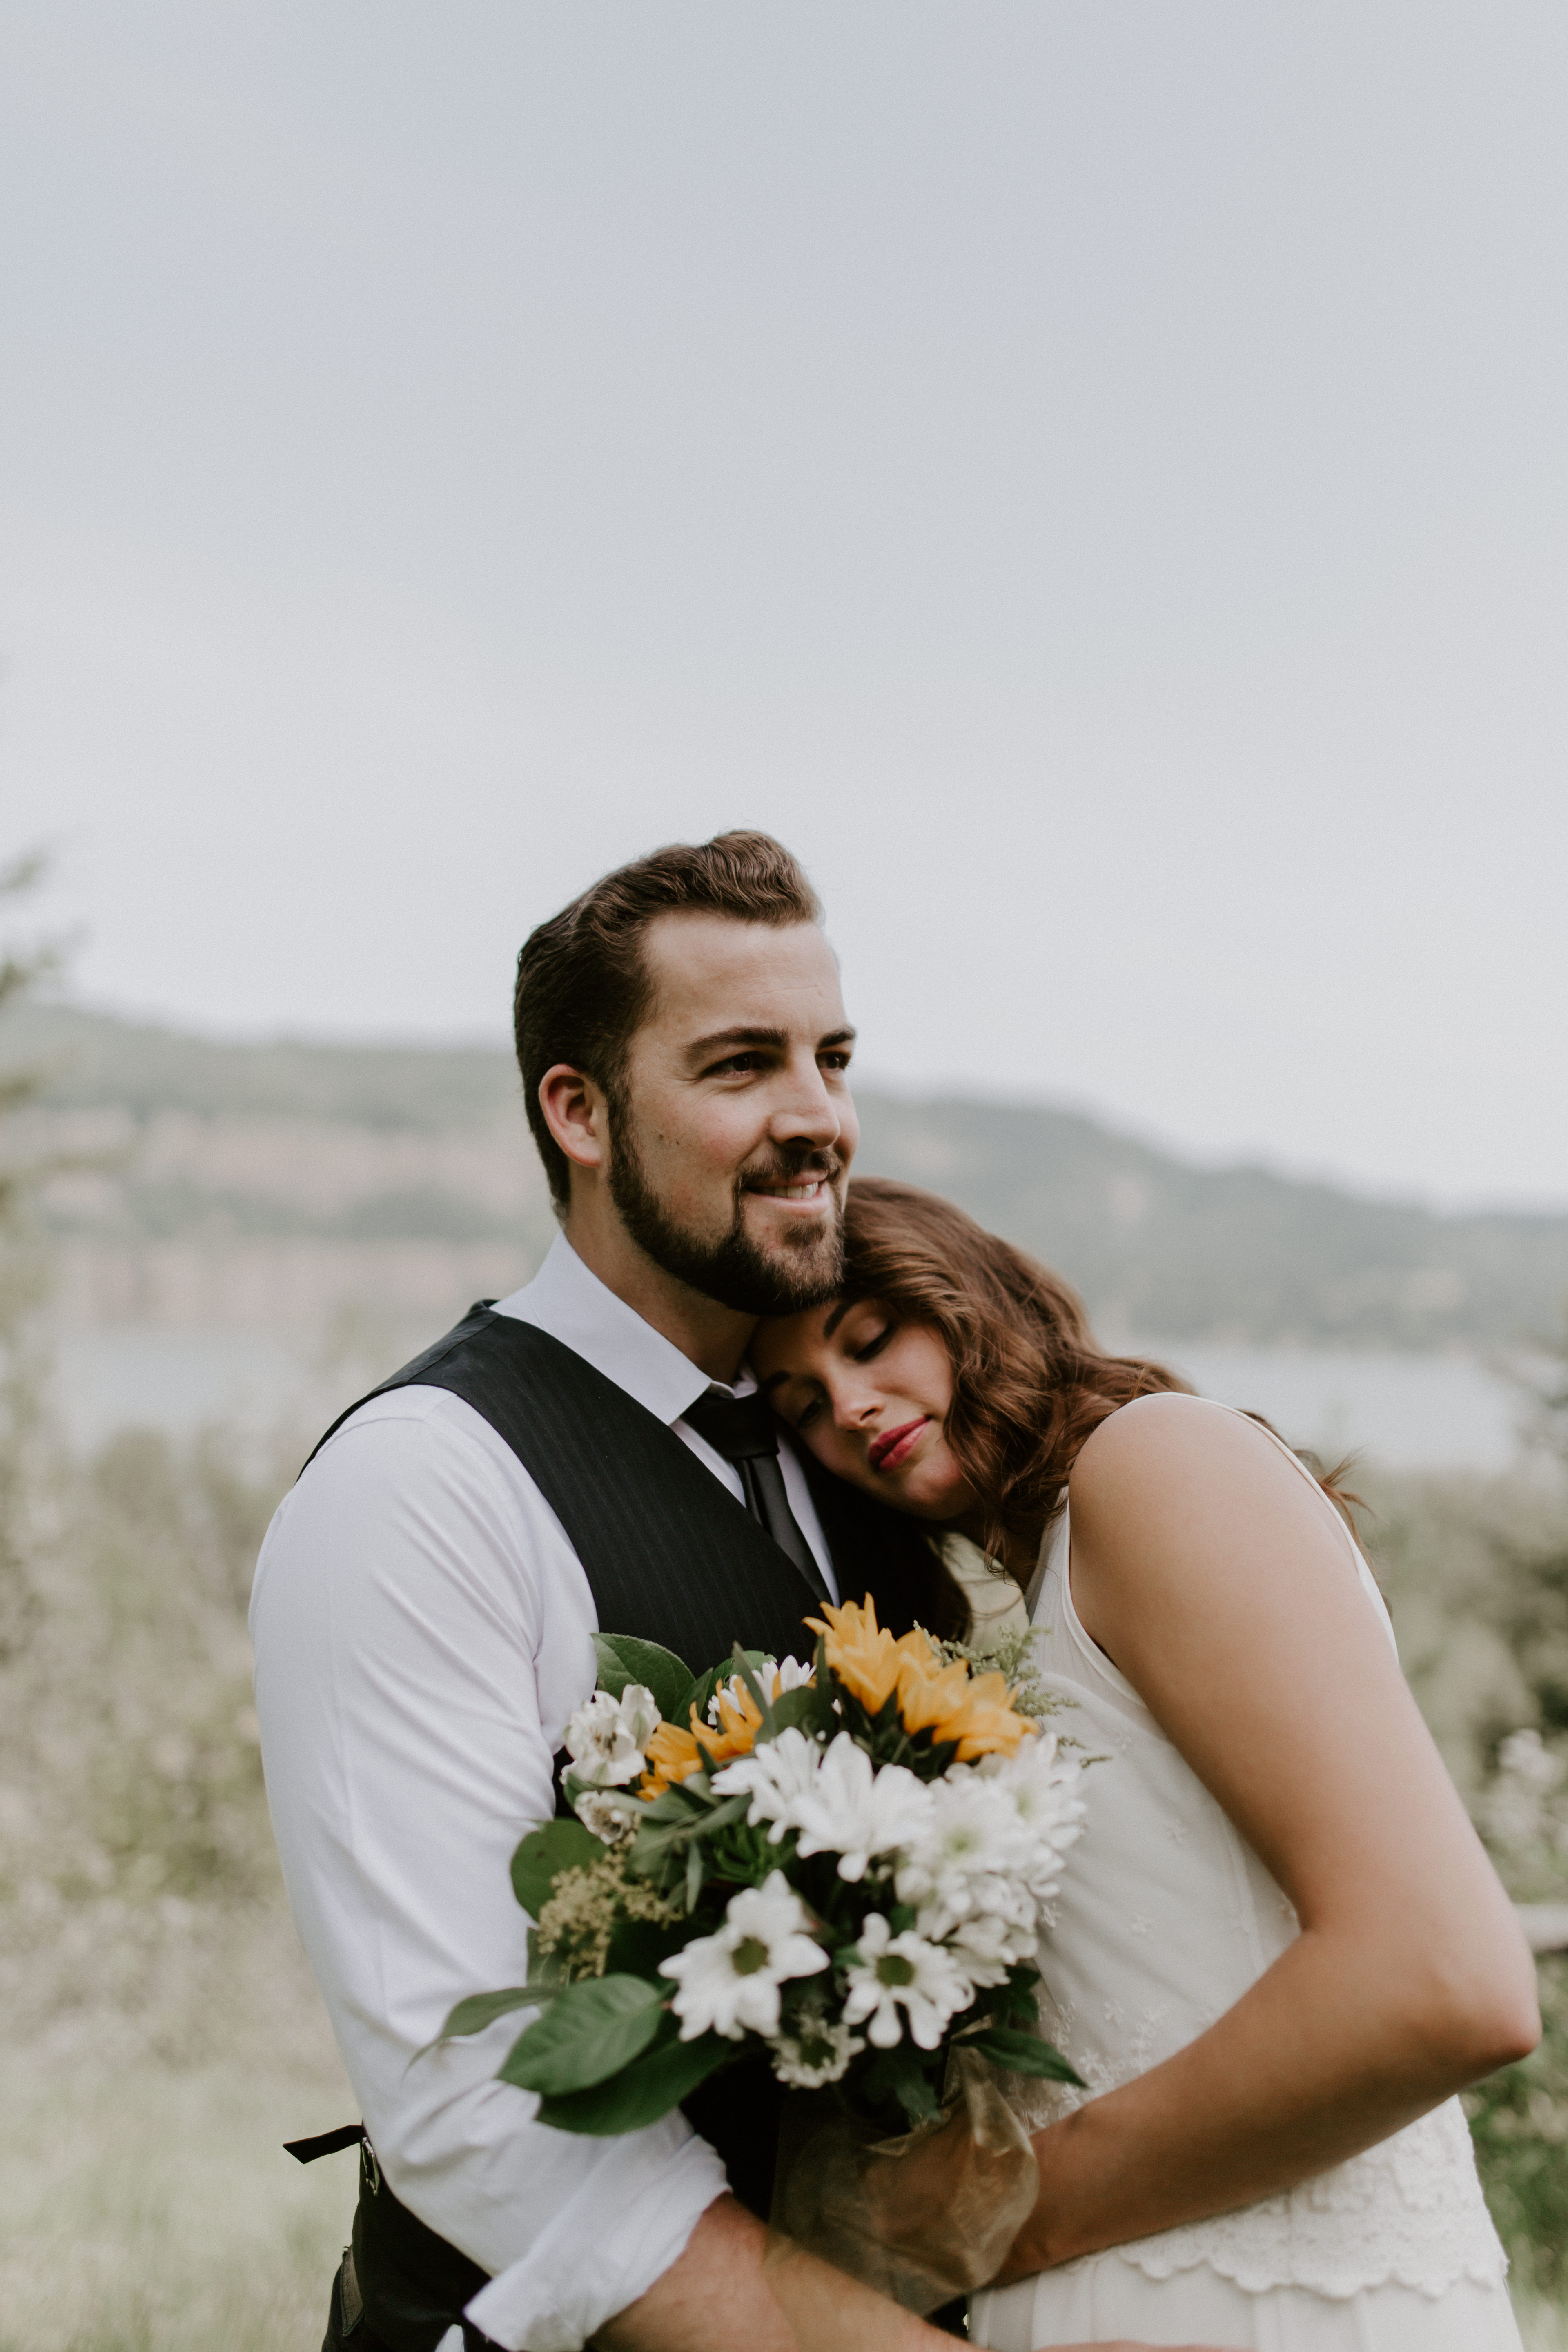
[1280,1949]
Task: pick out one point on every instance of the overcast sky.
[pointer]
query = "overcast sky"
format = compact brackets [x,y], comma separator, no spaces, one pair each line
[1089,477]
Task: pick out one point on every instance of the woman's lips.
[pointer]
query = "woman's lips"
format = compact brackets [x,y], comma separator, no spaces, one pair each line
[894,1446]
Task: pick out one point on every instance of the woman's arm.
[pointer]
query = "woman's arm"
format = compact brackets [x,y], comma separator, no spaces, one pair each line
[1215,1579]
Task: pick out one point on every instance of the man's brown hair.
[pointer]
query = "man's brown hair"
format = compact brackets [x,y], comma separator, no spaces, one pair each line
[582,983]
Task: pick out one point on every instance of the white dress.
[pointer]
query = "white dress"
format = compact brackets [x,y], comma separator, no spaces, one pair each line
[1165,1918]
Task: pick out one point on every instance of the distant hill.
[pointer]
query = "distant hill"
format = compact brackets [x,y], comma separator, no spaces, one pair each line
[340,1157]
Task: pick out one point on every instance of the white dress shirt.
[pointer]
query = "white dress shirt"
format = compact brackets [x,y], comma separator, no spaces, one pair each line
[423,1630]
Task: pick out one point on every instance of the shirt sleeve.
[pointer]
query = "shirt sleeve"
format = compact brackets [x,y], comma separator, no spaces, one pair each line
[422,1630]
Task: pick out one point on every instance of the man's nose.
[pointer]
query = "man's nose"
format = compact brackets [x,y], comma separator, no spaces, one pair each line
[807,1113]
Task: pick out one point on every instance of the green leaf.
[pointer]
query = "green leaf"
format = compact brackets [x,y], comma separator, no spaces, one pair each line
[482,2009]
[793,1710]
[590,2031]
[637,1946]
[623,1658]
[1024,2053]
[898,2074]
[545,1854]
[643,2092]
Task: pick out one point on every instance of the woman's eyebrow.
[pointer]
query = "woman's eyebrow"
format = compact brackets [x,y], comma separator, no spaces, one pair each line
[834,1320]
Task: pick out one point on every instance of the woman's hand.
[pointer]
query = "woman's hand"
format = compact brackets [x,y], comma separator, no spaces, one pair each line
[1218,1581]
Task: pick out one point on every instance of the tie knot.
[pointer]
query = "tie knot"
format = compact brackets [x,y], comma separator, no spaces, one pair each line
[742,1429]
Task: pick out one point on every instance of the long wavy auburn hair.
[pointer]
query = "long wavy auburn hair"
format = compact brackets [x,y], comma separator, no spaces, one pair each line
[1030,1384]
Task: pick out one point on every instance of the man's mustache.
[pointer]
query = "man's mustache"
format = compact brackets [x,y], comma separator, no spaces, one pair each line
[786,1167]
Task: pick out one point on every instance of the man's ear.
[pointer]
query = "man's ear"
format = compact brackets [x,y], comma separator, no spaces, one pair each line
[576,1114]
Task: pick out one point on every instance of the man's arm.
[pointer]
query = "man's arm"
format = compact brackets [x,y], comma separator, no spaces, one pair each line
[734,2285]
[422,1630]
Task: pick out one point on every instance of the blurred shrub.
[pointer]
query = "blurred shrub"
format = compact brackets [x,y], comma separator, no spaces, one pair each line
[128,1749]
[1476,1571]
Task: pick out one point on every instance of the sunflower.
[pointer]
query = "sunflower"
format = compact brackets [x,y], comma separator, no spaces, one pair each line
[865,1657]
[673,1754]
[983,1721]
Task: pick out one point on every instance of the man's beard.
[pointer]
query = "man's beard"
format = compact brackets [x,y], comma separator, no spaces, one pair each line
[807,1268]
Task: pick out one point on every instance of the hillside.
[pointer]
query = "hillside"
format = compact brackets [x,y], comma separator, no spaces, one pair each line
[271,1185]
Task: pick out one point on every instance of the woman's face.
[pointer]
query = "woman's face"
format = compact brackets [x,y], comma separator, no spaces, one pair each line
[870,1396]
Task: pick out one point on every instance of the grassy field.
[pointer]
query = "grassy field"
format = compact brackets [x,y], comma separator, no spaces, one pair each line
[145,2201]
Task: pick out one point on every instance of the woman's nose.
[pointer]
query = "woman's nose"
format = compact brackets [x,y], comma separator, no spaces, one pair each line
[854,1409]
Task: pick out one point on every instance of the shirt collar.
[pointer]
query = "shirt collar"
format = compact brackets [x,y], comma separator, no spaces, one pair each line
[574,1306]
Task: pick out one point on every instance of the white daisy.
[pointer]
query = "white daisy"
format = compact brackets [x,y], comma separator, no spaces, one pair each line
[1042,1785]
[773,1776]
[904,1972]
[730,1982]
[971,1834]
[857,1812]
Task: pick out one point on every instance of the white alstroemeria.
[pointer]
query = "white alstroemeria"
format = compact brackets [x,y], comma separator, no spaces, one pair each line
[607,1737]
[773,1678]
[773,1776]
[730,1982]
[818,2053]
[857,1812]
[906,1973]
[614,1820]
[970,1836]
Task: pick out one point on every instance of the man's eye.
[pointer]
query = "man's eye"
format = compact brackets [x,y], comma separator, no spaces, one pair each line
[835,1061]
[742,1062]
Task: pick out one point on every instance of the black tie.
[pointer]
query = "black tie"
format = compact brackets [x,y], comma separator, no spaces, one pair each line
[742,1429]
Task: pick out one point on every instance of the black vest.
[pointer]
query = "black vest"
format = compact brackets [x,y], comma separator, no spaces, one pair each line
[670,1555]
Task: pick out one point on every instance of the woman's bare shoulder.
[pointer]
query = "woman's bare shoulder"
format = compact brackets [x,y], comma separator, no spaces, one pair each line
[1170,1442]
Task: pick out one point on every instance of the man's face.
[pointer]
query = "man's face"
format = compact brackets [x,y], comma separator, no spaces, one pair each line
[731,1140]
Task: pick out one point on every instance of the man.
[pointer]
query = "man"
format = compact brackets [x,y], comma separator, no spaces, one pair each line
[425,1599]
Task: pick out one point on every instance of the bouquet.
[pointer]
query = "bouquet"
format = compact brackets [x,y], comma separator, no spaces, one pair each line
[843,1868]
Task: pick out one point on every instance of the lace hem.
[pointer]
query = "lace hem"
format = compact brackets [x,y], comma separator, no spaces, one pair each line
[1408,2213]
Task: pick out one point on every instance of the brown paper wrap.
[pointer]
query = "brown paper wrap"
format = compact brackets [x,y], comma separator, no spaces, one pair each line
[921,2219]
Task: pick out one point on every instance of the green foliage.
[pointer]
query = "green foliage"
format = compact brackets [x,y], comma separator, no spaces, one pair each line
[1025,2054]
[482,2009]
[901,2084]
[623,1658]
[1519,2120]
[545,1854]
[1476,1572]
[589,2032]
[666,2073]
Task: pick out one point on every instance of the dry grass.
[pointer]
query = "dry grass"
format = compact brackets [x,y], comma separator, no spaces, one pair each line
[145,2201]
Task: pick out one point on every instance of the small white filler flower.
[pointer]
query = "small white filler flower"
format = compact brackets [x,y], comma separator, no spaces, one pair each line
[904,1972]
[607,1737]
[729,1983]
[818,2053]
